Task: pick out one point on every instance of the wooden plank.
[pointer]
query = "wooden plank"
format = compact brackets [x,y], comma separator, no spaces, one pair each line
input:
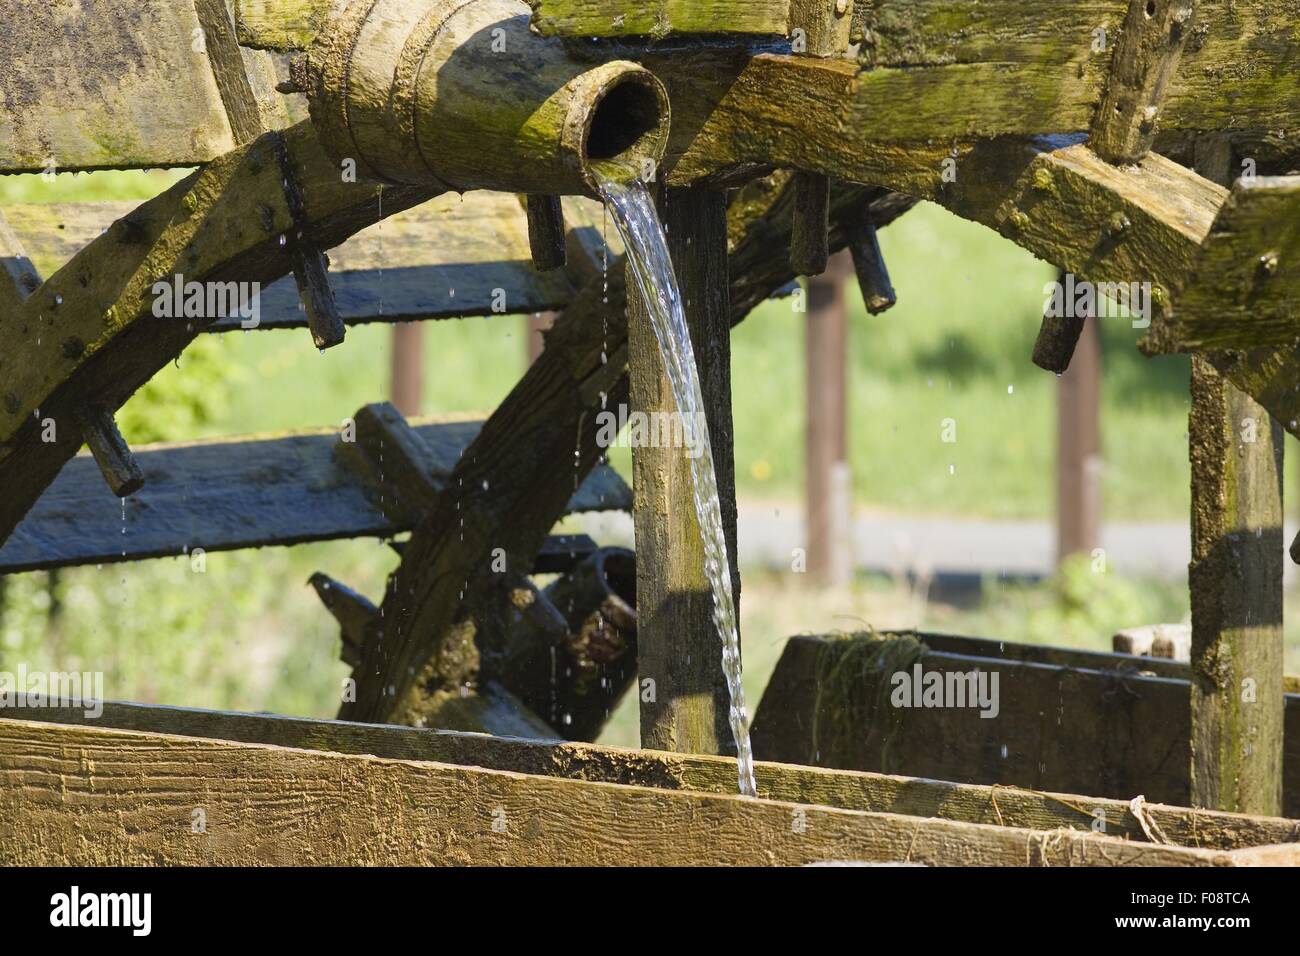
[1235,579]
[1061,728]
[443,259]
[847,789]
[661,18]
[108,84]
[125,797]
[679,649]
[1237,70]
[280,24]
[1245,286]
[223,494]
[1067,656]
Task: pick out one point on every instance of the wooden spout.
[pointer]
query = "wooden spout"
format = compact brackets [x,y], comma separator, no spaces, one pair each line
[459,94]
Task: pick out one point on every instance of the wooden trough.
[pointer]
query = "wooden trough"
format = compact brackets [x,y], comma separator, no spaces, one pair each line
[1123,141]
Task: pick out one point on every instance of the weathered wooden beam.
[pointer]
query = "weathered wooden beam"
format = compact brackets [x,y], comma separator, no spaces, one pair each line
[686,705]
[1244,289]
[310,268]
[1145,61]
[1235,579]
[268,805]
[280,24]
[229,494]
[500,503]
[449,257]
[1033,66]
[1062,726]
[661,18]
[1067,656]
[1237,69]
[1025,189]
[395,457]
[122,83]
[235,74]
[1143,223]
[1058,337]
[846,789]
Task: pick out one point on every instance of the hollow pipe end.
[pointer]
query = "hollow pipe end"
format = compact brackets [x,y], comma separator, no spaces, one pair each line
[617,124]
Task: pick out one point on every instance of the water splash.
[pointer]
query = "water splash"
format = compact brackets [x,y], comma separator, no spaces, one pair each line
[634,215]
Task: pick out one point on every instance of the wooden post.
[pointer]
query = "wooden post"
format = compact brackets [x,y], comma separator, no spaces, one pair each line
[827,486]
[407,386]
[1236,596]
[1078,447]
[679,650]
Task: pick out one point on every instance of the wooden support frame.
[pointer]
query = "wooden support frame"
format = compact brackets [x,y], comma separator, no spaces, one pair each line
[416,812]
[1112,725]
[846,789]
[550,415]
[226,219]
[1143,223]
[685,704]
[1235,580]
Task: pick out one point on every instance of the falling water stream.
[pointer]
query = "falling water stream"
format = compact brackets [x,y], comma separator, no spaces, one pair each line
[637,221]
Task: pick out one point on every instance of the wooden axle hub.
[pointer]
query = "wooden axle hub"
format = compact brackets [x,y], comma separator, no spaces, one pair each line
[459,94]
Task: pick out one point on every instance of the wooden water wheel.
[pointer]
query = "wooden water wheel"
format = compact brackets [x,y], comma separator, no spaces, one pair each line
[1124,141]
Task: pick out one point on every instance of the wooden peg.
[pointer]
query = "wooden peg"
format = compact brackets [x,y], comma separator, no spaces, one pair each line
[310,267]
[1058,337]
[311,273]
[546,232]
[355,613]
[869,264]
[809,248]
[116,463]
[1146,59]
